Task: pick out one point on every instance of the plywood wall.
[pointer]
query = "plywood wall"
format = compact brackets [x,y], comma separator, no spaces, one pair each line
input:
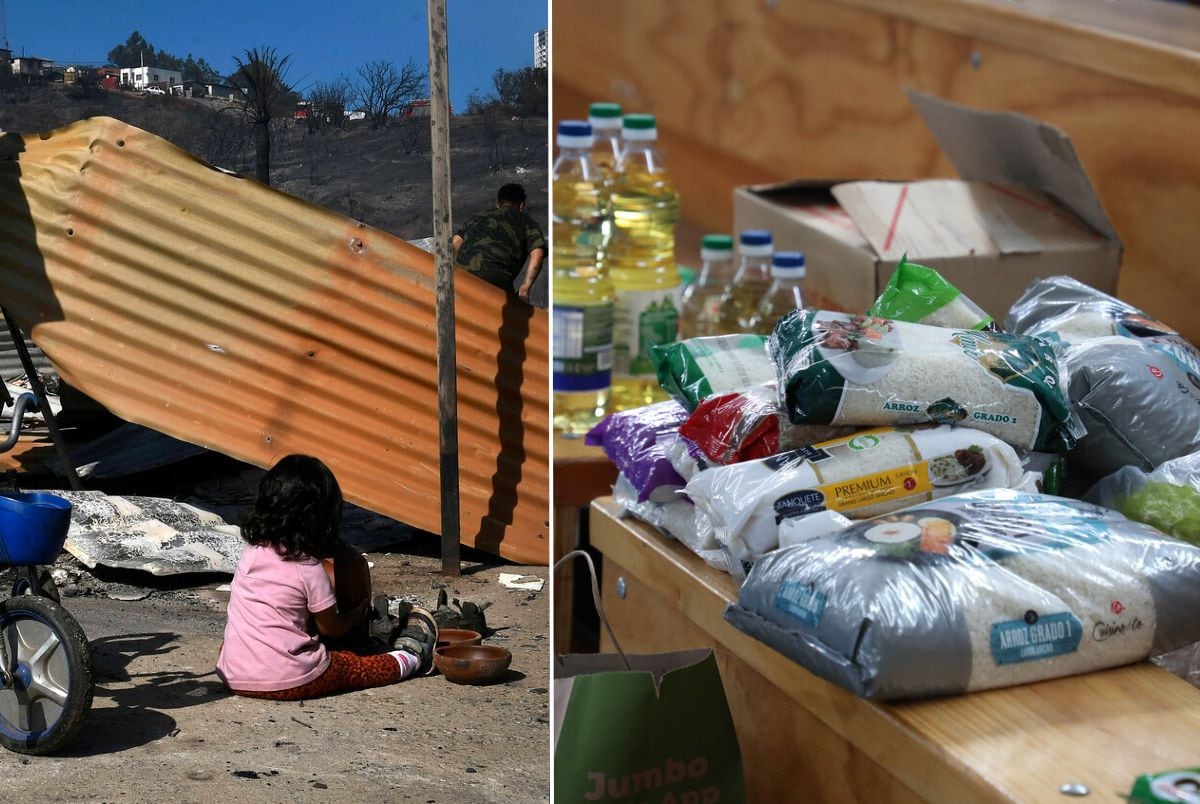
[760,90]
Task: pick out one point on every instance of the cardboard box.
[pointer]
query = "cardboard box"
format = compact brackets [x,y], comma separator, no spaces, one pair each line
[1022,209]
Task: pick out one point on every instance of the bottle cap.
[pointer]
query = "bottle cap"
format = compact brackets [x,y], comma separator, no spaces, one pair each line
[788,265]
[642,127]
[604,115]
[716,247]
[575,134]
[755,243]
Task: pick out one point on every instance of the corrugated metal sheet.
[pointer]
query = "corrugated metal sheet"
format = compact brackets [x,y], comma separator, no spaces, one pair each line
[246,321]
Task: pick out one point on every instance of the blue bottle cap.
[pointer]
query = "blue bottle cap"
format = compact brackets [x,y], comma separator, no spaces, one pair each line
[575,128]
[755,237]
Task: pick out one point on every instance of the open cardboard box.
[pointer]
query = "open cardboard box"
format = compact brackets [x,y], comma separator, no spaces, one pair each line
[1022,209]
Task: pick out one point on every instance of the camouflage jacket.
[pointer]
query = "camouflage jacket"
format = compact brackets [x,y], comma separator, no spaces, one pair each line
[496,244]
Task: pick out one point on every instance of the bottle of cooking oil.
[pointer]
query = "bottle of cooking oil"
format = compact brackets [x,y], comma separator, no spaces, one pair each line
[582,290]
[641,260]
[753,278]
[606,128]
[605,152]
[702,298]
[785,293]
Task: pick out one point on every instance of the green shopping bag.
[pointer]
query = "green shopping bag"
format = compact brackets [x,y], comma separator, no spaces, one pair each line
[652,728]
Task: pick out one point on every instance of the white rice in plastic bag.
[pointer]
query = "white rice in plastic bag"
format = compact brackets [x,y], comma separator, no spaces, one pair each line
[835,368]
[972,592]
[872,472]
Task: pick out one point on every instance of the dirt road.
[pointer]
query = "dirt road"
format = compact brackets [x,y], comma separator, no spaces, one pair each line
[163,729]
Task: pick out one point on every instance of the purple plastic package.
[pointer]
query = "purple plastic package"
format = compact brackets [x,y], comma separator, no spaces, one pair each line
[634,441]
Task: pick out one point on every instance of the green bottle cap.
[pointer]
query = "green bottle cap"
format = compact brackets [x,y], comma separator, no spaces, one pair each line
[604,110]
[640,121]
[717,242]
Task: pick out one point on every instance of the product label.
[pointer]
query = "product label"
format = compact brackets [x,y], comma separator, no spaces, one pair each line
[736,361]
[880,487]
[798,503]
[802,601]
[583,347]
[1035,637]
[642,319]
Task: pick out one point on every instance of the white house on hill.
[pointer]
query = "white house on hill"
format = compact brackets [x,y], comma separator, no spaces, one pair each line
[142,77]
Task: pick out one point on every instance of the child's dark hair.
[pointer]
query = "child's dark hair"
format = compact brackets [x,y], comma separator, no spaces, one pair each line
[298,510]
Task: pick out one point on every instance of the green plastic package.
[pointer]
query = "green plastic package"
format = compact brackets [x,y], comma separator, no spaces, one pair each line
[860,370]
[920,295]
[694,369]
[1171,787]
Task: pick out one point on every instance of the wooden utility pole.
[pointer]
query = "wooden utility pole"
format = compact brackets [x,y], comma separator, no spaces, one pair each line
[443,231]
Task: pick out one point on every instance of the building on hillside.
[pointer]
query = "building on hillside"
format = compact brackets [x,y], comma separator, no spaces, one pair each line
[190,88]
[142,77]
[31,68]
[416,108]
[223,91]
[109,77]
[541,49]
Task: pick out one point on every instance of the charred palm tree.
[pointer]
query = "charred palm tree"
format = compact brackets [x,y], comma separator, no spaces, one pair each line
[262,77]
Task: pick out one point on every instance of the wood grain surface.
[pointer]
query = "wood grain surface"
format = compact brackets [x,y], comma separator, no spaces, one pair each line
[1018,744]
[748,92]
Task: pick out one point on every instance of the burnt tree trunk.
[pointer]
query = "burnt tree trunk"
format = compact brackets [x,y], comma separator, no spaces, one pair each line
[262,152]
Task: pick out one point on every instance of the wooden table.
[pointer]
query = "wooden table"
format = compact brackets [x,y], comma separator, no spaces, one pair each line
[804,739]
[581,473]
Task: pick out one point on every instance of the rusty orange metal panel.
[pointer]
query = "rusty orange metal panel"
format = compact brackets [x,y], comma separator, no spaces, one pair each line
[236,317]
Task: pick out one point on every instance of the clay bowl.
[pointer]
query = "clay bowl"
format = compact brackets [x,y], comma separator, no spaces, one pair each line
[472,664]
[457,636]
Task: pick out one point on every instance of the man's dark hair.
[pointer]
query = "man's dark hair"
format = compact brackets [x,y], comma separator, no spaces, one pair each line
[511,194]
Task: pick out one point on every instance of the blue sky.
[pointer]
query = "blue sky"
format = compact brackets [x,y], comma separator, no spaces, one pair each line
[325,39]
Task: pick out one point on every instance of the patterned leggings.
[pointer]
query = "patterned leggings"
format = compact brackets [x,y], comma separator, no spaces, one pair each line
[346,671]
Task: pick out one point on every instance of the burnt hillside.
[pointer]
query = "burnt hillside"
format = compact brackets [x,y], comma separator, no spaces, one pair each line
[379,177]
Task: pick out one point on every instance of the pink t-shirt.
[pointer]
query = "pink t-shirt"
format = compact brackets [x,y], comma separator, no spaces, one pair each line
[267,646]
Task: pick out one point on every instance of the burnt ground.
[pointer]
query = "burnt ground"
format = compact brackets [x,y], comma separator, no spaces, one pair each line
[380,177]
[162,728]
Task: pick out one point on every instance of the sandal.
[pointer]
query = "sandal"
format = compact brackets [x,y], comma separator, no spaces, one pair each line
[419,637]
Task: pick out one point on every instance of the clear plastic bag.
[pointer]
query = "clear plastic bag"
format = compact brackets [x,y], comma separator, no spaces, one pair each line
[749,424]
[633,441]
[694,369]
[921,295]
[1134,381]
[1167,498]
[678,519]
[835,368]
[972,592]
[870,473]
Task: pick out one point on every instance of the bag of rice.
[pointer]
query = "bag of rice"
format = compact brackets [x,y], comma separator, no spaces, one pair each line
[1065,311]
[1139,400]
[870,473]
[972,592]
[835,368]
[1167,498]
[685,456]
[920,295]
[678,519]
[749,424]
[1135,382]
[696,368]
[635,441]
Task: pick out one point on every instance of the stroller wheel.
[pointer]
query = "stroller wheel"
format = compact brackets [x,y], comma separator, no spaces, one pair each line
[46,683]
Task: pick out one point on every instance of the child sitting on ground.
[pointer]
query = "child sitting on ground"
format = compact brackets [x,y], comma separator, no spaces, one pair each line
[297,587]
